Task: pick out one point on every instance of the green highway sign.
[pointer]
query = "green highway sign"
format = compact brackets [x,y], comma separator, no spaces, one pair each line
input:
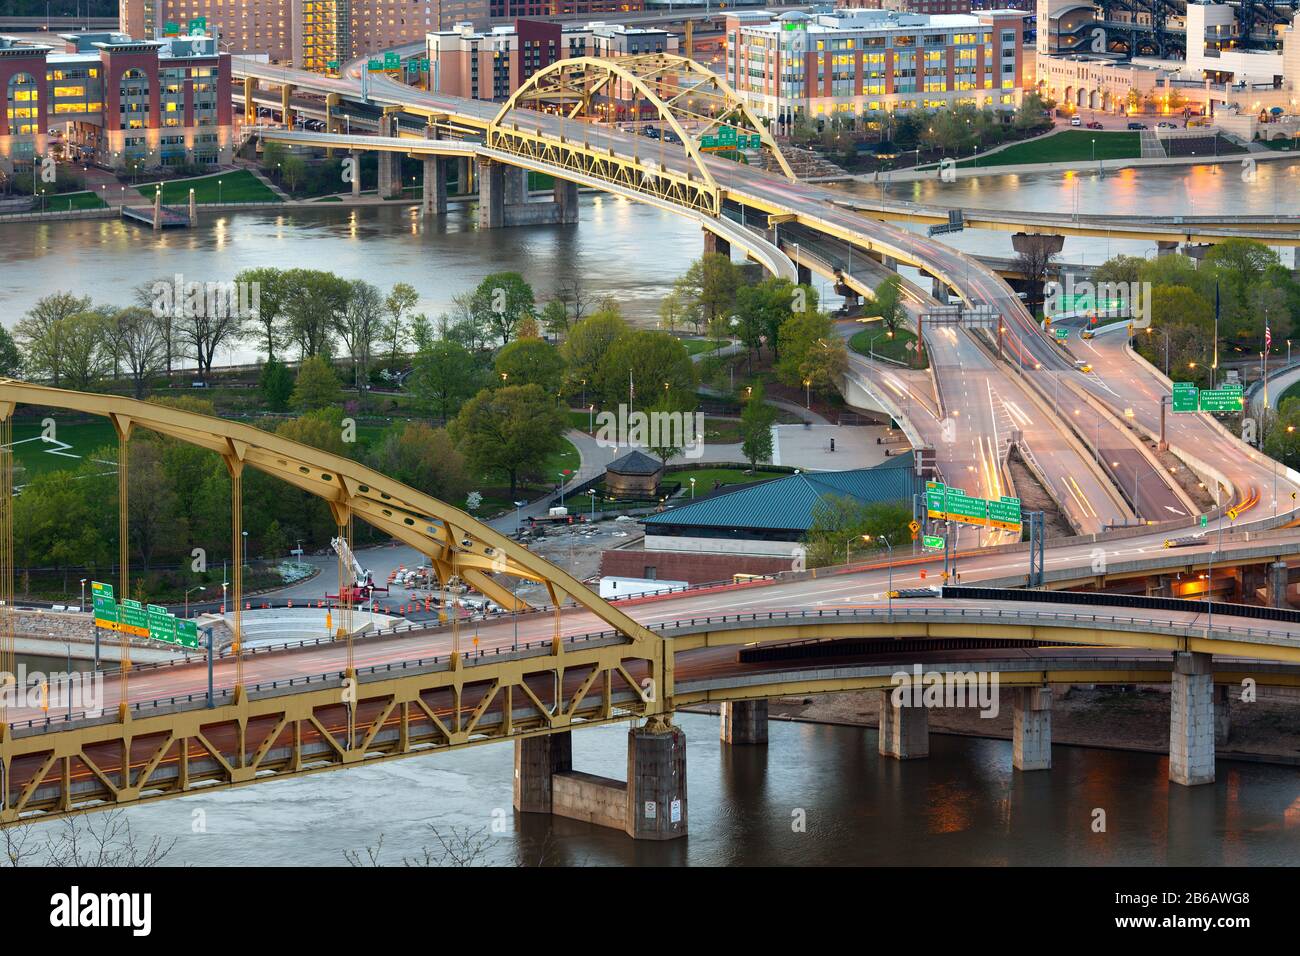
[1205,519]
[728,138]
[333,64]
[131,617]
[1185,397]
[954,504]
[392,61]
[932,541]
[1230,398]
[198,26]
[1061,333]
[374,66]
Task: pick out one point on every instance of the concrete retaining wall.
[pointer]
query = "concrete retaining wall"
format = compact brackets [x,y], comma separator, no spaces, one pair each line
[589,798]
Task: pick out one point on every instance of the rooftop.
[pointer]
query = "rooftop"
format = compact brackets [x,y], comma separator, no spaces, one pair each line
[789,504]
[635,463]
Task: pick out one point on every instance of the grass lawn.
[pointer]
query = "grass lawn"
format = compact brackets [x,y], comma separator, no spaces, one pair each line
[495,487]
[892,348]
[705,477]
[81,200]
[696,346]
[235,186]
[1292,391]
[36,457]
[1067,146]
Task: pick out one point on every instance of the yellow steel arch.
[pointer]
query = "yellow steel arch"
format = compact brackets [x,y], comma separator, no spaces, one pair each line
[670,83]
[456,543]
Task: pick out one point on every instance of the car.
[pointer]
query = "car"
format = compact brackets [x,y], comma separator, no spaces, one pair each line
[1086,334]
[1094,124]
[1164,125]
[1083,367]
[1137,125]
[1075,121]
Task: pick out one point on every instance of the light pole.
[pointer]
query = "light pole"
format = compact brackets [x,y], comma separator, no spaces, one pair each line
[889,594]
[519,527]
[82,606]
[864,537]
[591,493]
[692,489]
[67,687]
[218,192]
[243,558]
[197,587]
[807,393]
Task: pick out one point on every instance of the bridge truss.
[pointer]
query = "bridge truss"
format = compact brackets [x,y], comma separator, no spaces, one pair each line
[688,99]
[168,745]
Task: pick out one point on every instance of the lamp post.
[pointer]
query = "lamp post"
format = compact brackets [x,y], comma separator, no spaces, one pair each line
[692,489]
[243,558]
[197,587]
[889,594]
[82,606]
[864,537]
[518,522]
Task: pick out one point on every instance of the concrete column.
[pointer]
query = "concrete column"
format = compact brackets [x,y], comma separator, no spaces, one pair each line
[356,175]
[537,760]
[715,243]
[889,262]
[1222,714]
[744,722]
[805,274]
[491,195]
[390,177]
[1160,585]
[433,200]
[1191,720]
[1166,247]
[904,731]
[515,181]
[1031,747]
[566,200]
[286,109]
[1277,581]
[656,781]
[250,106]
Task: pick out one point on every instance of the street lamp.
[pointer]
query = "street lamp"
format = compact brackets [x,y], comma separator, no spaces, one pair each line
[889,594]
[244,556]
[197,587]
[864,537]
[692,489]
[82,605]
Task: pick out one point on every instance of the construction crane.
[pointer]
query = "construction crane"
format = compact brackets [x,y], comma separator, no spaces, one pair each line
[363,582]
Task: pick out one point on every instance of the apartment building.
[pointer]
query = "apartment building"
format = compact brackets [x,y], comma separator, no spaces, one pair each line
[857,62]
[116,101]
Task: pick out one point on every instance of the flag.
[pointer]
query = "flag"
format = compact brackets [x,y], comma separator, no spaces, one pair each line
[1268,336]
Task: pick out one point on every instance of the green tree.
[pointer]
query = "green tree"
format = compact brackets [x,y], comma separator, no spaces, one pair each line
[316,303]
[530,361]
[555,318]
[317,386]
[649,362]
[888,302]
[276,384]
[711,283]
[501,301]
[11,361]
[445,376]
[42,334]
[401,300]
[840,521]
[813,352]
[588,343]
[422,457]
[274,290]
[511,430]
[756,423]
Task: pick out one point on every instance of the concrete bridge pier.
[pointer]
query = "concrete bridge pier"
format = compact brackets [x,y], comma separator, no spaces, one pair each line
[1031,747]
[390,163]
[1191,720]
[1166,247]
[1160,585]
[744,722]
[1278,574]
[650,805]
[286,104]
[904,731]
[491,195]
[566,201]
[715,243]
[433,198]
[503,199]
[356,174]
[1222,714]
[250,106]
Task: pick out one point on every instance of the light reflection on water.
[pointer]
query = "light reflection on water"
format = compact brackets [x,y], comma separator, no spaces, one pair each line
[962,805]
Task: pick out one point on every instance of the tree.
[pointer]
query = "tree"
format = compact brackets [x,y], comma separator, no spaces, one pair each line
[1239,265]
[204,319]
[276,384]
[588,343]
[444,377]
[501,301]
[422,457]
[11,361]
[401,299]
[140,344]
[888,302]
[756,428]
[529,361]
[88,353]
[316,302]
[359,324]
[41,334]
[1119,269]
[273,295]
[762,308]
[840,521]
[711,283]
[511,430]
[555,318]
[151,502]
[649,363]
[317,386]
[812,350]
[1033,260]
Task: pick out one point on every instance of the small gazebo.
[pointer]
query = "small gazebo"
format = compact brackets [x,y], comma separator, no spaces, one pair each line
[635,475]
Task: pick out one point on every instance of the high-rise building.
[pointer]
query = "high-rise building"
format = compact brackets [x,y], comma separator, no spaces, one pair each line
[307,33]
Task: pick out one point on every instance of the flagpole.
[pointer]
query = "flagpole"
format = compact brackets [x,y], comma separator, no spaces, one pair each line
[1214,368]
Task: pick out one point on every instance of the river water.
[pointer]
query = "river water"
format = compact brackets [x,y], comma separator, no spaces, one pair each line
[964,805]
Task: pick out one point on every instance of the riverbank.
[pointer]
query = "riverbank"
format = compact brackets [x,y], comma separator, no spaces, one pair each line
[1134,719]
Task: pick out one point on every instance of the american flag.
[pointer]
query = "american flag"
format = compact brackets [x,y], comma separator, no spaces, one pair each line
[1268,336]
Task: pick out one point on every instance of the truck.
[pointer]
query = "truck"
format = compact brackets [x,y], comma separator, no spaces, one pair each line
[363,585]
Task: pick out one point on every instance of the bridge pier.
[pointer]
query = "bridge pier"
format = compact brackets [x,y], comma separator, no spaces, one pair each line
[904,731]
[390,163]
[804,274]
[1278,574]
[433,197]
[1031,747]
[744,722]
[1191,720]
[1160,585]
[566,201]
[1222,714]
[286,107]
[651,805]
[1166,247]
[356,174]
[503,199]
[715,243]
[537,760]
[250,107]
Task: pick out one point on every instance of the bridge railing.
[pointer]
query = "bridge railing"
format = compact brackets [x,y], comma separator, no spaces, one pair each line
[540,647]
